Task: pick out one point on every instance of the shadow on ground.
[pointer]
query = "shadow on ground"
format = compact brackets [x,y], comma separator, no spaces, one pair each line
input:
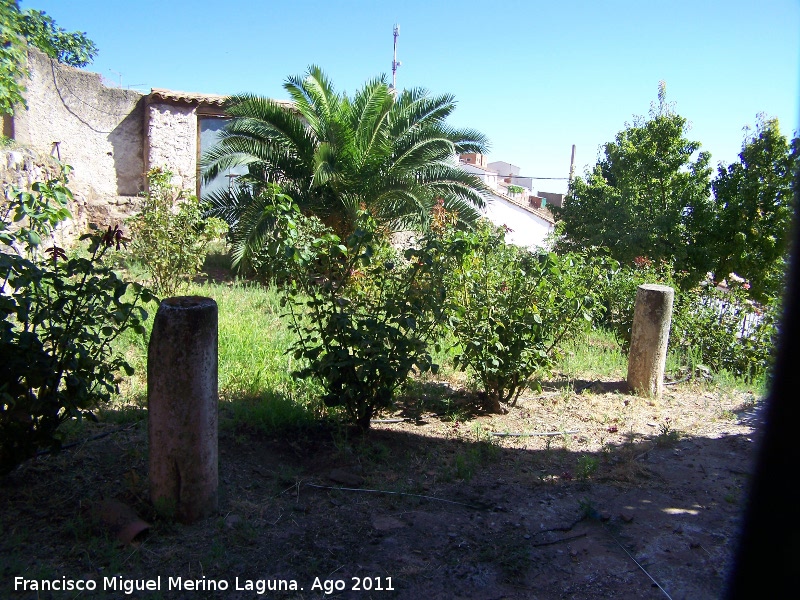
[430,517]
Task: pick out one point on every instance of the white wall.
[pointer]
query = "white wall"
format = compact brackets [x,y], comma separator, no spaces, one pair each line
[503,168]
[489,178]
[527,229]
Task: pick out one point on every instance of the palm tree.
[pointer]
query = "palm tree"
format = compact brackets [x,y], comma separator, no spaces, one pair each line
[391,153]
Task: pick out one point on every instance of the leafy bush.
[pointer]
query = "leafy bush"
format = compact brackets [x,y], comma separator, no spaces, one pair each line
[514,308]
[720,329]
[364,314]
[170,235]
[61,314]
[723,330]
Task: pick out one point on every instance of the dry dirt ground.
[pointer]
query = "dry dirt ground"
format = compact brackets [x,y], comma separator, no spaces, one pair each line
[637,494]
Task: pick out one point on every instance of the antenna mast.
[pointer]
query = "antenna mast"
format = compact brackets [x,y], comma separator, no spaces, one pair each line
[572,164]
[395,63]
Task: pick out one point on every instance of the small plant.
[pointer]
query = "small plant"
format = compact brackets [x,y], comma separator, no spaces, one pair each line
[61,313]
[587,509]
[170,235]
[509,551]
[667,436]
[465,465]
[587,466]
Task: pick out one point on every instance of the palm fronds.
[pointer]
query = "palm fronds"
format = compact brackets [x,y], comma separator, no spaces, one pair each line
[393,154]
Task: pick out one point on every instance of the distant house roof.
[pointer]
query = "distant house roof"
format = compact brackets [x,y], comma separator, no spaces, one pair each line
[542,213]
[187,97]
[217,100]
[464,163]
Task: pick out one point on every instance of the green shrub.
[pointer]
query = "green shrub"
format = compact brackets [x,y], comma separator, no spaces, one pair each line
[513,309]
[709,327]
[363,313]
[170,237]
[61,313]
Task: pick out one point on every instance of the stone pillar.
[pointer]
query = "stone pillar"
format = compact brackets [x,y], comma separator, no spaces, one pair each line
[649,336]
[182,408]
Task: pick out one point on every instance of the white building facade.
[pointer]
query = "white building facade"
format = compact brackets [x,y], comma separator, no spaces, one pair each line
[528,224]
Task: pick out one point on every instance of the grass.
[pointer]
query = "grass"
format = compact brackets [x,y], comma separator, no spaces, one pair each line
[597,353]
[256,386]
[259,393]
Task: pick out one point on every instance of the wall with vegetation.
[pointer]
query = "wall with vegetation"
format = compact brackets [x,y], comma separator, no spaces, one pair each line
[20,167]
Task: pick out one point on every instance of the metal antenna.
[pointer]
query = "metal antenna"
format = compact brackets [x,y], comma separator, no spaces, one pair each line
[395,63]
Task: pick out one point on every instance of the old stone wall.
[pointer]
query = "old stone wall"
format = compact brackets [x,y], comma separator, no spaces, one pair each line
[95,129]
[171,141]
[21,167]
[110,137]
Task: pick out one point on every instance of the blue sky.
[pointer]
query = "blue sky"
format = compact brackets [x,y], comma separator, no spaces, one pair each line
[535,77]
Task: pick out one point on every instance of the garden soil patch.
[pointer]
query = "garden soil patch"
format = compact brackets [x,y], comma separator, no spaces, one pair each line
[635,495]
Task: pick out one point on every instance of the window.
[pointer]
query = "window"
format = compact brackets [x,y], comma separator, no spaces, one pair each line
[210,127]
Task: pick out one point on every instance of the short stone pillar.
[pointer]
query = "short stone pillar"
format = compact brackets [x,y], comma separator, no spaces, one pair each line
[649,337]
[182,408]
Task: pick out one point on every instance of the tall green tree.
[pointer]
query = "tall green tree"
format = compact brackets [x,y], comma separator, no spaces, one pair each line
[649,196]
[18,29]
[391,153]
[755,204]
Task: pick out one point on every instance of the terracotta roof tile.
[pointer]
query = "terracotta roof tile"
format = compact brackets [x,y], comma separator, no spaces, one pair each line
[187,97]
[194,97]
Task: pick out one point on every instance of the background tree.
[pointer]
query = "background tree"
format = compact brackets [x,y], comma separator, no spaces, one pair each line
[649,195]
[19,28]
[754,210]
[390,153]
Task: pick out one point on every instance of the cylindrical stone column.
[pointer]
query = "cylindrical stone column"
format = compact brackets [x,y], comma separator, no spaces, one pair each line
[182,408]
[649,337]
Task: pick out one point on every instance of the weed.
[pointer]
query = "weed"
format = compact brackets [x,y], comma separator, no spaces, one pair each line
[287,475]
[667,436]
[217,550]
[587,466]
[372,451]
[244,533]
[464,467]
